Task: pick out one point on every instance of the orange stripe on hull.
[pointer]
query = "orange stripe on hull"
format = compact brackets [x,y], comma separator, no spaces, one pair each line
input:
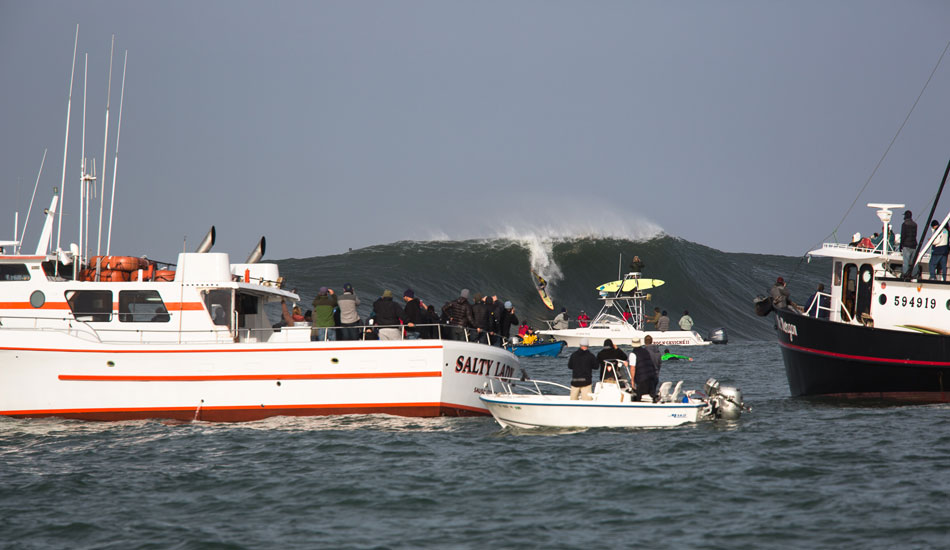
[239,377]
[246,413]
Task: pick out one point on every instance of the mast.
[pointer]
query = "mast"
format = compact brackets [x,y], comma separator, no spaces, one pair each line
[105,149]
[115,167]
[69,103]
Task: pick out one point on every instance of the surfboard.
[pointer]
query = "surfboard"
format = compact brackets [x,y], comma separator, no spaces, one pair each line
[541,292]
[630,285]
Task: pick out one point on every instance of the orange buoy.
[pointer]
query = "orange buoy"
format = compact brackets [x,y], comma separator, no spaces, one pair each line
[124,263]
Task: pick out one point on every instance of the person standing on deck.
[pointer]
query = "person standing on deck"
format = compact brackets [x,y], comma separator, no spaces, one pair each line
[645,376]
[349,316]
[560,320]
[908,242]
[582,364]
[938,254]
[663,323]
[323,321]
[686,322]
[613,354]
[413,314]
[388,316]
[781,297]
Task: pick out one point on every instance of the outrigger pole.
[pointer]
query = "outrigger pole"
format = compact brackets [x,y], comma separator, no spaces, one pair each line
[933,208]
[105,150]
[30,209]
[82,167]
[115,167]
[62,188]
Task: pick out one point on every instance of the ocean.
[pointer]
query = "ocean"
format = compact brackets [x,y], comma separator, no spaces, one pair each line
[792,473]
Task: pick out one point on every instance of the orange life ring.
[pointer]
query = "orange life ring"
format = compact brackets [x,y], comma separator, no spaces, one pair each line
[164,275]
[124,263]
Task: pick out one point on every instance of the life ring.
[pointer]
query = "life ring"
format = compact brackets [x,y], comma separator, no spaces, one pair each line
[164,275]
[124,263]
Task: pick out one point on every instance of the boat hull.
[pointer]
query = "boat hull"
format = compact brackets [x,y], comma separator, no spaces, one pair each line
[239,382]
[826,358]
[551,349]
[624,335]
[558,411]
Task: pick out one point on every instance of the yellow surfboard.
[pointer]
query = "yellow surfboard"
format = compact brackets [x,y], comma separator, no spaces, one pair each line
[630,285]
[540,284]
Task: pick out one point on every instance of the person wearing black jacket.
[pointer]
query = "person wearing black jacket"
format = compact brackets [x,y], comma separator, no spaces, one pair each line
[388,316]
[645,373]
[481,310]
[610,353]
[458,313]
[508,320]
[413,314]
[582,364]
[908,242]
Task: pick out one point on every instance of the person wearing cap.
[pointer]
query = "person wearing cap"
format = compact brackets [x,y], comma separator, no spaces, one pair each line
[508,320]
[644,372]
[613,354]
[560,320]
[349,316]
[582,364]
[908,243]
[388,317]
[458,313]
[938,254]
[780,295]
[413,315]
[323,321]
[583,320]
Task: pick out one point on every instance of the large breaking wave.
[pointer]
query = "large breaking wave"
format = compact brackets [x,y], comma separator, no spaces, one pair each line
[716,287]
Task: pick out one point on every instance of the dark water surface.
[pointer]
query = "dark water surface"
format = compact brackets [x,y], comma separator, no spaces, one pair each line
[792,474]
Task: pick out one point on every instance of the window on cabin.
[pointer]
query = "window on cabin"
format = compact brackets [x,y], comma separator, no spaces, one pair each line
[142,306]
[218,303]
[90,305]
[14,272]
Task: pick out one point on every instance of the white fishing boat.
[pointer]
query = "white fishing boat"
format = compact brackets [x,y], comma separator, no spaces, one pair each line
[621,319]
[526,404]
[124,337]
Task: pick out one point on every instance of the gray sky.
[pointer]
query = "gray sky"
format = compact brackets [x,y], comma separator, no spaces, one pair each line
[748,126]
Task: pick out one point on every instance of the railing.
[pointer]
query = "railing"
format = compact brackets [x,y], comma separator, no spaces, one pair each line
[221,333]
[816,305]
[620,368]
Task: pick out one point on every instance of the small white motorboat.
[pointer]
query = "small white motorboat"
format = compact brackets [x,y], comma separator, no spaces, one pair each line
[522,403]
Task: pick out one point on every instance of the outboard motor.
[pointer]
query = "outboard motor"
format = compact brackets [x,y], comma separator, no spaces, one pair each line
[725,401]
[718,336]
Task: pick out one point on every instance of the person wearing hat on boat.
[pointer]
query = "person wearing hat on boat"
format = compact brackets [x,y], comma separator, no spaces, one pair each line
[508,319]
[323,321]
[645,374]
[583,320]
[908,242]
[388,316]
[349,316]
[582,364]
[413,314]
[560,320]
[458,313]
[613,354]
[780,295]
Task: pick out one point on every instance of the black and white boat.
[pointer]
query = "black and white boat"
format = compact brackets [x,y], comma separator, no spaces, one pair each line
[882,337]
